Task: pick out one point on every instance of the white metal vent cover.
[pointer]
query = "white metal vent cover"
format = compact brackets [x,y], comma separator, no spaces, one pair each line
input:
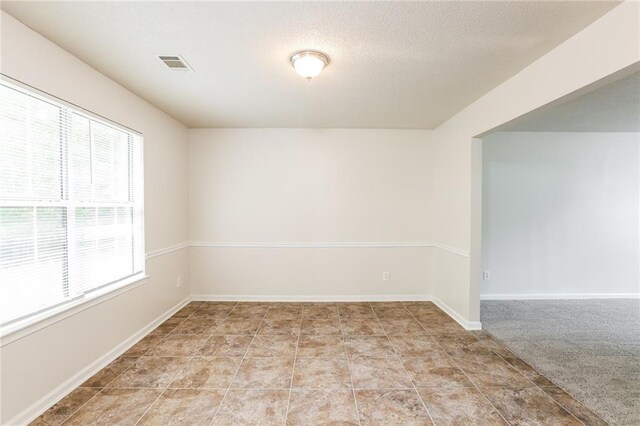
[175,63]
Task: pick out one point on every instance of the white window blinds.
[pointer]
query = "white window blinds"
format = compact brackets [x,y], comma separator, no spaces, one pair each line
[71,203]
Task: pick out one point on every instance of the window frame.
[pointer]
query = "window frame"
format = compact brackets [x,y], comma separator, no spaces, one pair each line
[43,317]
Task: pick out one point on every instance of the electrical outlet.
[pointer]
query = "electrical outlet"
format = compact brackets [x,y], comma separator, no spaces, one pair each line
[179,282]
[385,276]
[486,275]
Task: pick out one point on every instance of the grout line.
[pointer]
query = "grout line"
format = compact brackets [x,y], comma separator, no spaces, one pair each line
[239,364]
[344,342]
[459,368]
[295,360]
[518,371]
[179,371]
[490,336]
[402,363]
[119,374]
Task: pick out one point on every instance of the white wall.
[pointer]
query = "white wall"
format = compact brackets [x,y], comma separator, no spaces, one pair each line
[293,186]
[608,48]
[561,214]
[38,364]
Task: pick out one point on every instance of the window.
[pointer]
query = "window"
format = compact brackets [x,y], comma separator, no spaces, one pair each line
[71,204]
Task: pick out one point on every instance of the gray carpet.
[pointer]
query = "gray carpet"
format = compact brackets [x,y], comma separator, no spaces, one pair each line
[591,348]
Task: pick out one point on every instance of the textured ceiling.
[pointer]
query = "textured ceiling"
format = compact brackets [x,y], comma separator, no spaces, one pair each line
[394,65]
[611,108]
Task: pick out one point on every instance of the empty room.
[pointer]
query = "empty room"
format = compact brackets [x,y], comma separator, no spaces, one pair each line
[314,213]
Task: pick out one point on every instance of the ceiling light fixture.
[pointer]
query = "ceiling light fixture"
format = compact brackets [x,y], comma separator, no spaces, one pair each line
[309,63]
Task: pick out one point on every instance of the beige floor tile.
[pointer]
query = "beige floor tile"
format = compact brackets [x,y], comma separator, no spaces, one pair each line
[321,346]
[356,311]
[439,324]
[253,407]
[491,370]
[207,372]
[361,327]
[273,346]
[186,311]
[167,327]
[65,407]
[108,374]
[197,326]
[391,407]
[528,406]
[264,373]
[328,373]
[114,407]
[371,346]
[225,346]
[395,313]
[321,326]
[150,372]
[460,406]
[434,371]
[280,327]
[243,316]
[391,304]
[413,346]
[233,327]
[322,407]
[178,345]
[461,345]
[370,373]
[284,312]
[402,327]
[144,345]
[526,370]
[184,407]
[217,313]
[329,312]
[573,406]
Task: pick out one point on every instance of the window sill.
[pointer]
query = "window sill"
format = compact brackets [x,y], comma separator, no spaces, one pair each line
[20,329]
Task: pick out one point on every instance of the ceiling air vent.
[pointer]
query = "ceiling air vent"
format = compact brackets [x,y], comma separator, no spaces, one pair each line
[175,63]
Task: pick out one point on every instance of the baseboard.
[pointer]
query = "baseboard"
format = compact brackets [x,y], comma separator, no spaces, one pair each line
[312,298]
[559,296]
[468,325]
[44,403]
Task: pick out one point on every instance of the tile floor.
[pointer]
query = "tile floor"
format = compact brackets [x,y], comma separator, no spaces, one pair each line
[216,363]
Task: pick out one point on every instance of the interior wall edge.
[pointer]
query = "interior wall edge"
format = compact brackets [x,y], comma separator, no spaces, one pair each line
[55,395]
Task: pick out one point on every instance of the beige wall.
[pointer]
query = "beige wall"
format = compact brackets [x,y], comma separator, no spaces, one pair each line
[39,363]
[316,187]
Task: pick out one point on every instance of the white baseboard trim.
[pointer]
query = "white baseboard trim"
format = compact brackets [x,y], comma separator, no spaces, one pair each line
[559,296]
[312,298]
[44,403]
[468,325]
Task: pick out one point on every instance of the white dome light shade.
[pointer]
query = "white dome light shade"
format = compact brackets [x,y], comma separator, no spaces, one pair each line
[309,63]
